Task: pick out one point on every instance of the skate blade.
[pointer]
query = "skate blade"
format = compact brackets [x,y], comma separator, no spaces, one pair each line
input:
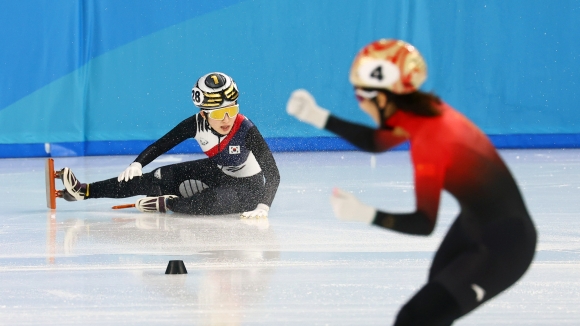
[123,206]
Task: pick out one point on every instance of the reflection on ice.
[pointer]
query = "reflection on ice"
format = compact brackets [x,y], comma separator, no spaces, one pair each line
[226,280]
[169,234]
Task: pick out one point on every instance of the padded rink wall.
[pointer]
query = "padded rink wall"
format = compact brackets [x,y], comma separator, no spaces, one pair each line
[101,77]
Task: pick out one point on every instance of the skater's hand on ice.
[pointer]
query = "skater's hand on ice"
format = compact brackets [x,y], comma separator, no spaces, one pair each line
[347,207]
[261,211]
[134,170]
[303,106]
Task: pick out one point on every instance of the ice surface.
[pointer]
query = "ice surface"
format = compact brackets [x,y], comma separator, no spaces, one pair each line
[85,263]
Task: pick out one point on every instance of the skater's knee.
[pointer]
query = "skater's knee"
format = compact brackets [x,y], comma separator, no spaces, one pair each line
[405,316]
[432,305]
[191,187]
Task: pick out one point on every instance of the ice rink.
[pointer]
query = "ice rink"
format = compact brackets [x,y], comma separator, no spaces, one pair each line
[88,264]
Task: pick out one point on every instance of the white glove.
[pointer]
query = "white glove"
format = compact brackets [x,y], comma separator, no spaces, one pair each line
[261,211]
[133,170]
[303,106]
[347,207]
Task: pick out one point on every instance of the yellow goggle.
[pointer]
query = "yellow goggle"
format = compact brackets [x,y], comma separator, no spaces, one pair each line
[220,114]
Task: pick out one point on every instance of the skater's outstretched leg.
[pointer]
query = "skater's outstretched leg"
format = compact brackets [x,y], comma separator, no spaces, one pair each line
[111,188]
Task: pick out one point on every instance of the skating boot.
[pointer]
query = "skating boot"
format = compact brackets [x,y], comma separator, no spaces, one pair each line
[153,204]
[74,190]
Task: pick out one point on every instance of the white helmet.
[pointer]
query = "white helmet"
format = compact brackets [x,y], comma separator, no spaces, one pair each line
[214,90]
[393,65]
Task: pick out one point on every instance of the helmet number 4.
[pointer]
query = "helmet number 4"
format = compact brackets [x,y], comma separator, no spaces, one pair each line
[377,73]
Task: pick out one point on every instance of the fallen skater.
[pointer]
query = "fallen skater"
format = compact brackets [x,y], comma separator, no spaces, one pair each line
[239,175]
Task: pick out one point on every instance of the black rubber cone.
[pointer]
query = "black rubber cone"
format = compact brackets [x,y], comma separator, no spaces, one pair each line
[176,267]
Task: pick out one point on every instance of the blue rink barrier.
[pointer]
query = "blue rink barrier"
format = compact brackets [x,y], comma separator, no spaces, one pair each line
[287,144]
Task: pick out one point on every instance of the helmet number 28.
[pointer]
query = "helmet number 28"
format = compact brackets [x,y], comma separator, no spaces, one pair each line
[196,96]
[377,73]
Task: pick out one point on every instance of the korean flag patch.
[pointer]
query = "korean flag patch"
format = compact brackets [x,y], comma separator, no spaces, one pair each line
[235,149]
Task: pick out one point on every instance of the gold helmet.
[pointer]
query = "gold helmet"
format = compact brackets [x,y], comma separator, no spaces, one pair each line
[389,64]
[214,90]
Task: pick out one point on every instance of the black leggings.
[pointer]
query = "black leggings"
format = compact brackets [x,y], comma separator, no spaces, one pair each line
[470,268]
[202,188]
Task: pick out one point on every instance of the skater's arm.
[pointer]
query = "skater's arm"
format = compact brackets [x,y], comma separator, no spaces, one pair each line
[186,129]
[363,137]
[414,223]
[429,171]
[255,143]
[302,106]
[347,207]
[429,179]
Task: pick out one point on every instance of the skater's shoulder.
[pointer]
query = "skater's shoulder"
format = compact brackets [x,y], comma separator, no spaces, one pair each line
[187,126]
[245,120]
[245,123]
[188,119]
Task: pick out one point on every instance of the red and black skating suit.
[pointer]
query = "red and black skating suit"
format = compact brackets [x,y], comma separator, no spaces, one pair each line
[492,242]
[239,173]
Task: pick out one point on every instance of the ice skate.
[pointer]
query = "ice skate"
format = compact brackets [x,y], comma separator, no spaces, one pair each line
[153,204]
[74,190]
